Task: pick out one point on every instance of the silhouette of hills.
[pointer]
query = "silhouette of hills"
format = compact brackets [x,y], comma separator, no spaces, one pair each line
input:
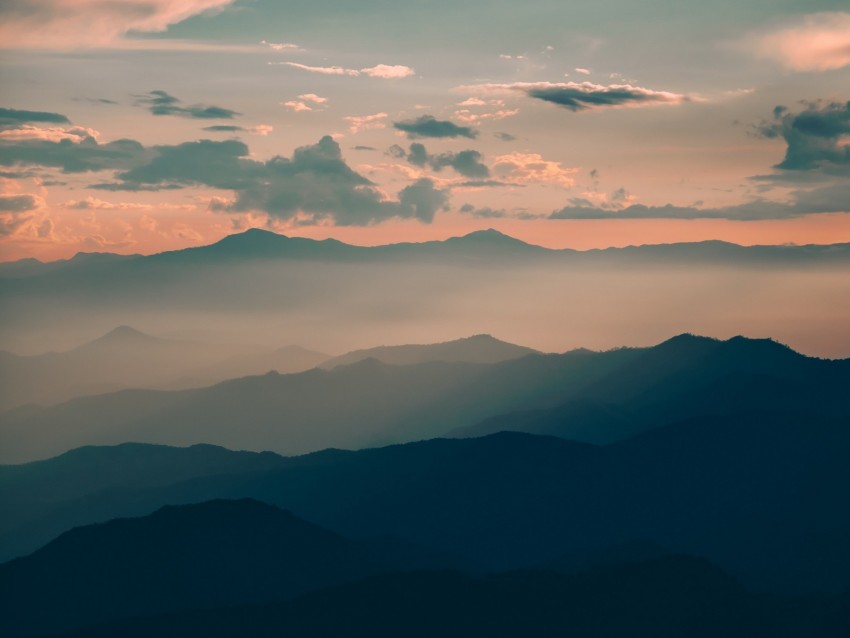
[474,349]
[667,597]
[760,494]
[128,358]
[218,553]
[593,397]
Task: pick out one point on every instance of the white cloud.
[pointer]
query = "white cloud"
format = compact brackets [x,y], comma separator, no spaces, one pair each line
[382,71]
[359,123]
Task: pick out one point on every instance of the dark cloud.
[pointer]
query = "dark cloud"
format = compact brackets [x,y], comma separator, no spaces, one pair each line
[579,97]
[827,199]
[73,157]
[315,184]
[225,128]
[505,137]
[814,137]
[18,203]
[12,117]
[483,213]
[360,147]
[467,163]
[161,103]
[428,126]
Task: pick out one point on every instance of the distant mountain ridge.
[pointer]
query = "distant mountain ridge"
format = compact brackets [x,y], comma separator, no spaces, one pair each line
[256,244]
[594,397]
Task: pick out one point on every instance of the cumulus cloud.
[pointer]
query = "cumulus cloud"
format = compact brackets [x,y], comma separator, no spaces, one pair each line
[53,134]
[315,184]
[467,163]
[382,71]
[581,96]
[816,42]
[429,126]
[817,137]
[524,168]
[161,103]
[15,117]
[90,23]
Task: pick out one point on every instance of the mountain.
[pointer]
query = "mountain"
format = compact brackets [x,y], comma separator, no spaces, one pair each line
[213,554]
[760,494]
[128,358]
[336,296]
[474,349]
[593,397]
[669,597]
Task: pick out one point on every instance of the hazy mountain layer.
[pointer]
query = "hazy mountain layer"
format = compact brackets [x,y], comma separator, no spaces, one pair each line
[581,395]
[332,297]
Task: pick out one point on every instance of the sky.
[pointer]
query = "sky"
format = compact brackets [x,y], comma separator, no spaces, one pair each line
[137,126]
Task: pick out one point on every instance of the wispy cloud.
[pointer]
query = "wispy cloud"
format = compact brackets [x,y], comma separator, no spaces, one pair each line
[161,103]
[357,123]
[89,23]
[816,42]
[382,71]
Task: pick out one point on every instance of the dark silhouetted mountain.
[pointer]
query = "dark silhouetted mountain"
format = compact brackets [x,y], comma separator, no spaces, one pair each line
[475,349]
[760,494]
[665,598]
[214,554]
[593,397]
[128,358]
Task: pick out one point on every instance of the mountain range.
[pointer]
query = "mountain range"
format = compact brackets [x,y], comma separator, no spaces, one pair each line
[596,397]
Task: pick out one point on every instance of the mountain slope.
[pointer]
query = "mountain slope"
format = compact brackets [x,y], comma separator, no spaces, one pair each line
[475,349]
[218,553]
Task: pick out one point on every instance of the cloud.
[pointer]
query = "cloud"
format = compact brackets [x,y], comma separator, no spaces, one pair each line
[72,151]
[305,102]
[382,71]
[816,42]
[52,134]
[314,185]
[90,23]
[161,103]
[829,199]
[260,129]
[428,126]
[524,168]
[581,70]
[93,203]
[357,123]
[817,137]
[14,117]
[467,163]
[19,203]
[388,72]
[505,137]
[281,46]
[581,96]
[483,213]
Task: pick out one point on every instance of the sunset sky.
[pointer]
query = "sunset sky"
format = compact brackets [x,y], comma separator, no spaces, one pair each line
[148,125]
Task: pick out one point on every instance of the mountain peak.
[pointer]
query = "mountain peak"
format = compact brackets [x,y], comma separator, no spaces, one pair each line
[490,235]
[122,335]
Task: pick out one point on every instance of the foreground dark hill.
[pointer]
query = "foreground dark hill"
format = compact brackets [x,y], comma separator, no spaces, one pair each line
[762,494]
[666,598]
[582,395]
[128,358]
[214,554]
[475,349]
